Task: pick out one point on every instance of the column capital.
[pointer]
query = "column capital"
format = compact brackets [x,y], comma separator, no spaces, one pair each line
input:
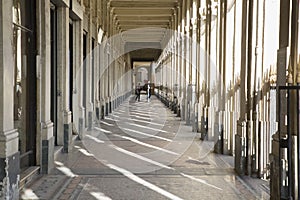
[111,12]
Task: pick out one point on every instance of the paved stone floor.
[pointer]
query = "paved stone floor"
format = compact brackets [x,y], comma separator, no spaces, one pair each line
[142,151]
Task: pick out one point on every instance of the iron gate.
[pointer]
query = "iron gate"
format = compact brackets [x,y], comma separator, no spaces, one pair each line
[289,140]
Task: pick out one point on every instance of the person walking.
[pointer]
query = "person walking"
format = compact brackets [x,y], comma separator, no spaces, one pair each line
[148,91]
[138,93]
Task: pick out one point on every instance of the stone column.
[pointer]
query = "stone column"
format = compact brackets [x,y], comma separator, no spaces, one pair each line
[108,59]
[193,69]
[45,127]
[198,72]
[176,63]
[64,126]
[249,61]
[88,65]
[187,57]
[128,64]
[201,74]
[257,70]
[223,85]
[172,59]
[207,115]
[183,63]
[114,64]
[162,74]
[107,78]
[240,138]
[78,115]
[96,83]
[178,60]
[111,60]
[9,154]
[102,79]
[119,80]
[293,108]
[124,75]
[283,58]
[102,66]
[221,73]
[97,62]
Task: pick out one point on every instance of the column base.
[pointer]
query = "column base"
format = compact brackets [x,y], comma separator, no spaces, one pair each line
[47,145]
[47,162]
[274,169]
[110,107]
[226,151]
[175,109]
[10,177]
[114,105]
[239,159]
[67,138]
[178,111]
[102,111]
[119,101]
[183,112]
[98,113]
[106,109]
[67,132]
[204,128]
[90,120]
[188,114]
[195,123]
[80,130]
[219,142]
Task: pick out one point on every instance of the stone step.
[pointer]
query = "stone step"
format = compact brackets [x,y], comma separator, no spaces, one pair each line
[28,175]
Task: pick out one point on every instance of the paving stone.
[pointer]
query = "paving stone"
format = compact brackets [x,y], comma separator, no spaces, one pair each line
[197,173]
[45,187]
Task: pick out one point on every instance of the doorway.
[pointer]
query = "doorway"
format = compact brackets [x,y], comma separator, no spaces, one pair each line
[53,37]
[25,90]
[84,74]
[71,68]
[93,70]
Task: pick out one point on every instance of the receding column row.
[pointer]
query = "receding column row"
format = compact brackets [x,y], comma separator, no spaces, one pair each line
[226,61]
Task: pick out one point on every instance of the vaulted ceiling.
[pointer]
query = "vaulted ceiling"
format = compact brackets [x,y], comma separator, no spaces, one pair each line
[144,24]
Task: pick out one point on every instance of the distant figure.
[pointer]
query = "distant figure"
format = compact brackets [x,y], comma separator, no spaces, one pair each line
[148,91]
[138,93]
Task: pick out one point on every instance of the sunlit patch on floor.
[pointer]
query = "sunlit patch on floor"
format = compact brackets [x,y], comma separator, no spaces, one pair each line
[65,170]
[29,194]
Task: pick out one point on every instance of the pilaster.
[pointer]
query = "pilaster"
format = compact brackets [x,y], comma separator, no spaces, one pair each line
[9,138]
[78,109]
[88,61]
[194,70]
[64,126]
[188,64]
[183,63]
[45,127]
[96,53]
[241,123]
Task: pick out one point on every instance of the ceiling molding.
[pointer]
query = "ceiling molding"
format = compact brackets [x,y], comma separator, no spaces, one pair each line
[143,23]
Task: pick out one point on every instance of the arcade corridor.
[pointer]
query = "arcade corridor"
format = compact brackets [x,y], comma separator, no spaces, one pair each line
[133,154]
[222,122]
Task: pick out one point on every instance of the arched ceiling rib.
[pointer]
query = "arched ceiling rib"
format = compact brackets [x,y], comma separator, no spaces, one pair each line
[151,17]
